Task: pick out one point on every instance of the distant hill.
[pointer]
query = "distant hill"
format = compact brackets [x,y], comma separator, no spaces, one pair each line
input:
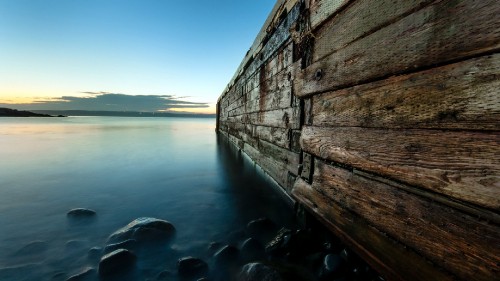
[8,112]
[122,113]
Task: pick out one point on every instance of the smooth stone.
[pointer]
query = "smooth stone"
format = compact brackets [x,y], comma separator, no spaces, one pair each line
[129,244]
[94,253]
[144,230]
[332,262]
[252,250]
[116,261]
[84,275]
[262,229]
[75,246]
[33,248]
[192,267]
[81,212]
[213,247]
[258,272]
[227,254]
[164,275]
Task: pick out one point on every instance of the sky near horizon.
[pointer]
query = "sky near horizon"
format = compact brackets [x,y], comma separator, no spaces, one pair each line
[128,54]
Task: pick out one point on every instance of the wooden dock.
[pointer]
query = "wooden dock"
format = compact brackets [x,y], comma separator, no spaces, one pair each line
[381,118]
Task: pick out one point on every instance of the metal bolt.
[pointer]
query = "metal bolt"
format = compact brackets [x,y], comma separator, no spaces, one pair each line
[318,75]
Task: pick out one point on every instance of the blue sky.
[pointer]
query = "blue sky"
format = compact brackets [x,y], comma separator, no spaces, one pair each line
[177,50]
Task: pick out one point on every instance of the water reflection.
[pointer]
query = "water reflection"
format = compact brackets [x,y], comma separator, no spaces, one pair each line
[124,168]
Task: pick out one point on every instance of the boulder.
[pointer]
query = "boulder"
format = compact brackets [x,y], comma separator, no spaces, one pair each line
[213,247]
[252,250]
[81,212]
[192,267]
[129,244]
[226,255]
[262,229]
[94,253]
[258,272]
[144,230]
[116,262]
[333,266]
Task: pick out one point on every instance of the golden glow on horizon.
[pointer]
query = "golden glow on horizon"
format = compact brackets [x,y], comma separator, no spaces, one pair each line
[206,110]
[16,100]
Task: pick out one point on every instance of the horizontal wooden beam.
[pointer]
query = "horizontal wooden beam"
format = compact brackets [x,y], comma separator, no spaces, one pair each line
[358,20]
[466,245]
[440,33]
[462,95]
[390,258]
[461,164]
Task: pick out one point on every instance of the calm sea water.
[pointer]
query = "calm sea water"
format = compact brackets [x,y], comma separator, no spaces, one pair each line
[123,168]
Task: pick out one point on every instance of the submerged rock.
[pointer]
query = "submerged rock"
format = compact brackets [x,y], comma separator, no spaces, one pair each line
[81,212]
[333,266]
[192,267]
[144,230]
[129,244]
[262,229]
[117,261]
[33,248]
[226,255]
[86,274]
[258,272]
[94,253]
[252,250]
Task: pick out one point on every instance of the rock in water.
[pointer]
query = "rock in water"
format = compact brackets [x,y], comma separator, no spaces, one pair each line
[81,212]
[258,272]
[252,250]
[85,274]
[262,229]
[33,248]
[116,262]
[226,255]
[144,230]
[192,267]
[129,244]
[333,266]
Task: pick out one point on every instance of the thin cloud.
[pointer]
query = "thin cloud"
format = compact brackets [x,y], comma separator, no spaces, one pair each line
[104,101]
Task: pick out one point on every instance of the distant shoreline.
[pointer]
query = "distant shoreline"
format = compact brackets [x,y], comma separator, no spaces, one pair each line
[8,112]
[4,112]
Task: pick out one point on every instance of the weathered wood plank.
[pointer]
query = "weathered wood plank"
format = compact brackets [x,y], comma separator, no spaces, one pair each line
[360,19]
[272,167]
[463,95]
[439,33]
[282,118]
[282,60]
[277,136]
[278,99]
[461,164]
[391,259]
[454,240]
[288,158]
[321,10]
[273,42]
[238,142]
